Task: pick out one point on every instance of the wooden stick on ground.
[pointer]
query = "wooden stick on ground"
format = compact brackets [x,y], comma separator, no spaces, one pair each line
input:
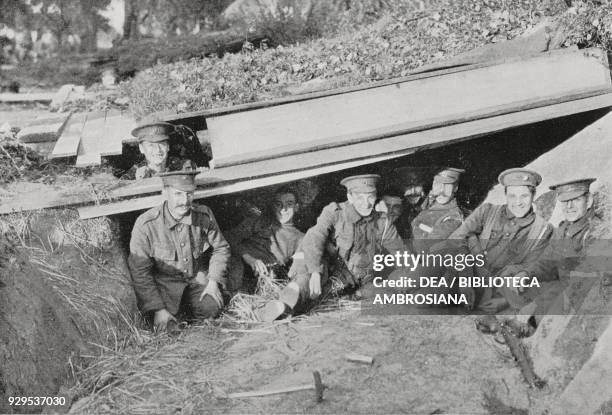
[268,392]
[359,358]
[317,386]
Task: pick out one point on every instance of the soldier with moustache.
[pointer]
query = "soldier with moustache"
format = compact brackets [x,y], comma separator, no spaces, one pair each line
[442,217]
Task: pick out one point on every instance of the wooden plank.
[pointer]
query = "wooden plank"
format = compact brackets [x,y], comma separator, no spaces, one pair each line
[89,147]
[268,392]
[435,98]
[44,97]
[147,202]
[195,116]
[404,128]
[117,130]
[67,144]
[43,130]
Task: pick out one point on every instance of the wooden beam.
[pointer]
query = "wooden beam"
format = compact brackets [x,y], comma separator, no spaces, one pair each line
[405,128]
[147,202]
[89,147]
[44,97]
[117,130]
[67,144]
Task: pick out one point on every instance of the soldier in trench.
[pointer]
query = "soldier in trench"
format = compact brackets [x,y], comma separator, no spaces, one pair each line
[178,256]
[342,244]
[165,147]
[266,243]
[442,216]
[572,245]
[507,235]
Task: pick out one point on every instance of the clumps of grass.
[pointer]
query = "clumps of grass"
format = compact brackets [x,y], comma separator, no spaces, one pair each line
[76,260]
[134,379]
[242,308]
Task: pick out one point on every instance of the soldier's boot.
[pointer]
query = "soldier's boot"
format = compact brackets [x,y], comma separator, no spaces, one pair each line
[289,298]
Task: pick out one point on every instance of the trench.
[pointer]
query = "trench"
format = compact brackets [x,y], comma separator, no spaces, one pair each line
[483,159]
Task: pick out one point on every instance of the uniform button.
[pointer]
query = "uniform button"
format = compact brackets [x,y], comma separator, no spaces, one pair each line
[507,234]
[185,271]
[186,259]
[182,243]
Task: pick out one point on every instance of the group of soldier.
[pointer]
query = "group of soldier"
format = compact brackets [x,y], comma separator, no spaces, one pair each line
[182,265]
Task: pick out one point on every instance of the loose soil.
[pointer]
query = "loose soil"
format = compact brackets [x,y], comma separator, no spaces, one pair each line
[422,364]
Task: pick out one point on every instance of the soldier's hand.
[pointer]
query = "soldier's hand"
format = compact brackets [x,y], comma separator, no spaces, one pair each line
[213,290]
[259,268]
[470,296]
[315,285]
[161,319]
[257,265]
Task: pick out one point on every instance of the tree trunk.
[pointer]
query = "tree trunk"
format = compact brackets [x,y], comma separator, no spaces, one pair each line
[130,23]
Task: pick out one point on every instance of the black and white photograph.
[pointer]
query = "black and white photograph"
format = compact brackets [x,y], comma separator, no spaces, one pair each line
[306,207]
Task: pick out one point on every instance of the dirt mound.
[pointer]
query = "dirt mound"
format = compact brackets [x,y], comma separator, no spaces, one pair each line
[64,295]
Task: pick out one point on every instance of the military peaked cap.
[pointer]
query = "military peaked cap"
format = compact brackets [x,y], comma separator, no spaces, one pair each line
[572,189]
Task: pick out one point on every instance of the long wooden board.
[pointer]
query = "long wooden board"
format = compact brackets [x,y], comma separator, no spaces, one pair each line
[117,129]
[130,205]
[265,173]
[89,147]
[247,135]
[43,97]
[67,144]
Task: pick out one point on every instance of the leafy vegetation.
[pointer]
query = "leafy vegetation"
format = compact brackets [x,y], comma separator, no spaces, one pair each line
[404,36]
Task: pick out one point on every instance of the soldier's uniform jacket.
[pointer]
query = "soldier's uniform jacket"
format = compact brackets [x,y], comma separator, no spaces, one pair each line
[341,232]
[566,252]
[404,222]
[265,239]
[141,170]
[166,255]
[504,239]
[435,223]
[567,246]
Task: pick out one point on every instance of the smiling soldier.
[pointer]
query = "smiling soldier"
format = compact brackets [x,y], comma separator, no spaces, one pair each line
[506,235]
[267,243]
[154,144]
[343,243]
[178,256]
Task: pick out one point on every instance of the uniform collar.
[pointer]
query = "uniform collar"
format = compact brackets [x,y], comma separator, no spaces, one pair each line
[171,222]
[524,221]
[573,228]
